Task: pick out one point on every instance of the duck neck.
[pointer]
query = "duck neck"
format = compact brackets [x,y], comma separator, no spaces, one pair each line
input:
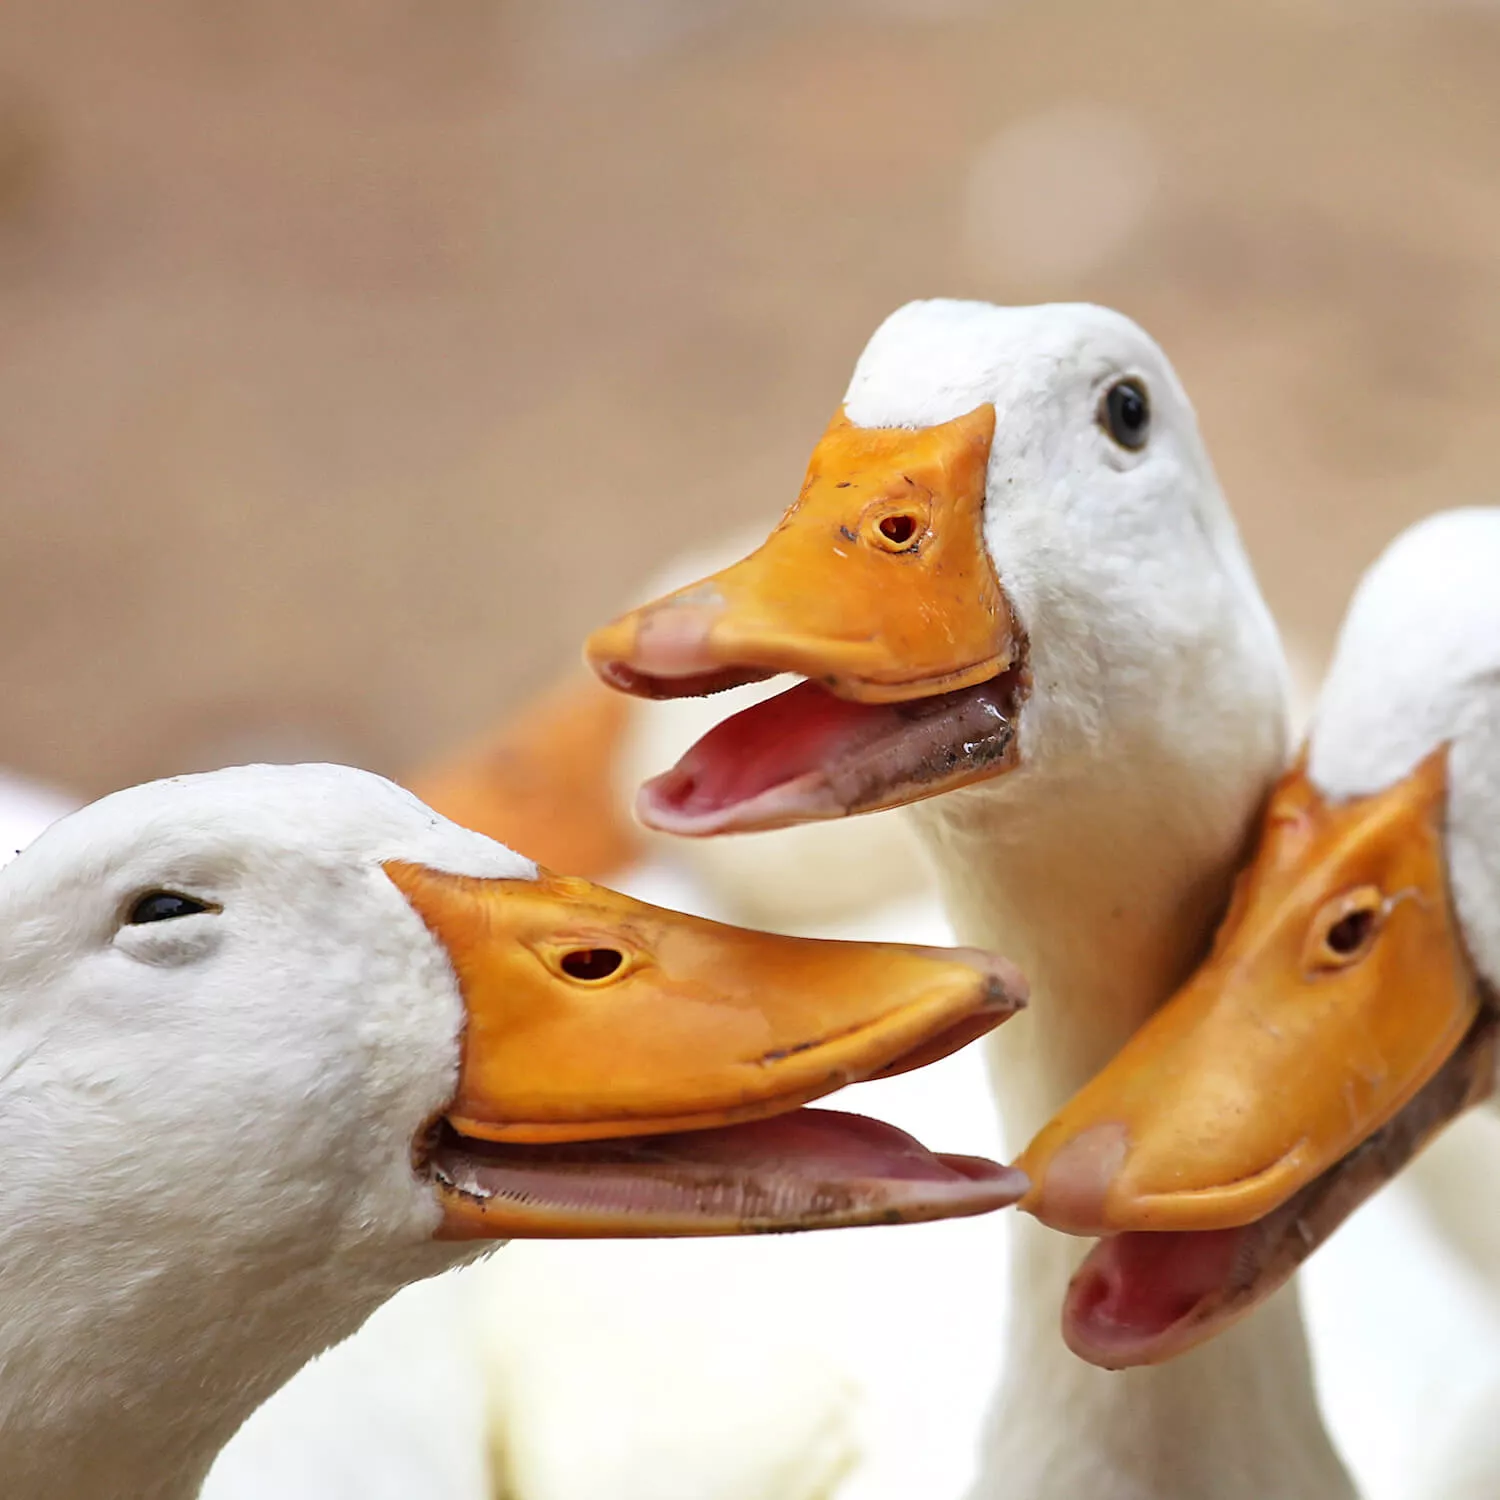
[1106,905]
[123,1374]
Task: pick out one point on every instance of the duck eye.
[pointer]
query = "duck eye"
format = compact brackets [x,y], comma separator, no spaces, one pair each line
[1346,928]
[591,964]
[163,906]
[898,529]
[1125,414]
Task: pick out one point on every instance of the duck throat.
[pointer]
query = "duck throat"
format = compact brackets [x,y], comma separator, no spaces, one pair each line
[122,1375]
[1106,899]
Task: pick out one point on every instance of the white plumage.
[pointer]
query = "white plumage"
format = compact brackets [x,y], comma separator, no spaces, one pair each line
[210,1120]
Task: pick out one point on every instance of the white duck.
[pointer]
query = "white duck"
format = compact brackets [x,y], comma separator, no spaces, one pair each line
[1347,1013]
[1012,564]
[274,1040]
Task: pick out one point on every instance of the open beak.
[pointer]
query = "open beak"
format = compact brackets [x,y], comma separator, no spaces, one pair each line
[878,588]
[1335,1028]
[621,1065]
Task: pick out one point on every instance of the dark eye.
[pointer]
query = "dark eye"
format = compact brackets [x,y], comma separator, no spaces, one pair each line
[1125,414]
[591,963]
[162,906]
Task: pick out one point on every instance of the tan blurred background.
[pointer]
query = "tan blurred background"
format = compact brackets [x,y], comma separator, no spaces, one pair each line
[355,358]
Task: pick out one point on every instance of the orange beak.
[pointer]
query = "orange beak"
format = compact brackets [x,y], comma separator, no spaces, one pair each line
[593,1018]
[878,588]
[876,583]
[1331,1032]
[1337,988]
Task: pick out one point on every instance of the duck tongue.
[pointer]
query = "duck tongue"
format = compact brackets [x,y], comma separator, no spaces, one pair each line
[806,755]
[811,1168]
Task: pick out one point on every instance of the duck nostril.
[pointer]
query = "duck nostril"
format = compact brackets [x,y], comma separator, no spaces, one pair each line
[898,529]
[1345,929]
[591,964]
[1349,933]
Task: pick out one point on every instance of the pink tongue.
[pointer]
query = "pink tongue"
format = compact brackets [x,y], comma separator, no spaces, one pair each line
[821,1142]
[810,1143]
[1134,1287]
[807,1170]
[785,737]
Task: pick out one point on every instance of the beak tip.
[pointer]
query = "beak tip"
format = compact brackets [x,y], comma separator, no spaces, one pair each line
[1006,1187]
[1004,986]
[1008,990]
[1017,1183]
[1071,1185]
[676,648]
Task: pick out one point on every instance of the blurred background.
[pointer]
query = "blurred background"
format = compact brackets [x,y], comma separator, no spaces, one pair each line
[357,358]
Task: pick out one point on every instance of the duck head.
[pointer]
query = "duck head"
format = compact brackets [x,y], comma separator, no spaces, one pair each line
[1009,555]
[1345,1014]
[294,1001]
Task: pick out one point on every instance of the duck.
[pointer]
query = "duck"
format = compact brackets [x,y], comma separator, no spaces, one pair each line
[1346,1016]
[1019,606]
[279,1040]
